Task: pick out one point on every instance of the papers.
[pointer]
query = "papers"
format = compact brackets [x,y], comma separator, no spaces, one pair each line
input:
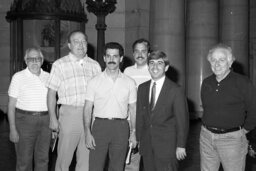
[128,157]
[54,140]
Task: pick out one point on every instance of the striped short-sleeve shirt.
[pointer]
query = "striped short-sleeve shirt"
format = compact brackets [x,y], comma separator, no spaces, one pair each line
[69,77]
[30,90]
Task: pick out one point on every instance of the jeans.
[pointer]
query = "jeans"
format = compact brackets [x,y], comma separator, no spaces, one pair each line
[34,140]
[229,149]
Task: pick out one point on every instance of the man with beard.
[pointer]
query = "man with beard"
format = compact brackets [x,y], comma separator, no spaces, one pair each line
[28,114]
[69,76]
[109,96]
[139,72]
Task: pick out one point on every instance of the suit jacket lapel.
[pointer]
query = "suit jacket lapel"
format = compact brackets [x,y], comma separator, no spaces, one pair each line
[147,91]
[162,95]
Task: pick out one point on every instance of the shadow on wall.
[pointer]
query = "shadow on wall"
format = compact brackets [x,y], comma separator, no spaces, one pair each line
[238,68]
[126,63]
[3,116]
[91,51]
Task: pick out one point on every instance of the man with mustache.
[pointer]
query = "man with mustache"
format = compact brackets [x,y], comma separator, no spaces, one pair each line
[109,97]
[139,72]
[28,114]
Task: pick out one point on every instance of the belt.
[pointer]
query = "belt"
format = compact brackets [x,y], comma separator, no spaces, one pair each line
[120,119]
[221,130]
[33,113]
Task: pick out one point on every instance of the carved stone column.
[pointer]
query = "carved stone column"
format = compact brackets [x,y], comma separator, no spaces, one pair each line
[101,8]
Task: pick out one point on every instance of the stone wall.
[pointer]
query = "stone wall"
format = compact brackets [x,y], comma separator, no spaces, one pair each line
[5,54]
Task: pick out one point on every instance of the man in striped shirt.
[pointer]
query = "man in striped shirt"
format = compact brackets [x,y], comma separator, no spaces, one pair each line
[28,114]
[68,78]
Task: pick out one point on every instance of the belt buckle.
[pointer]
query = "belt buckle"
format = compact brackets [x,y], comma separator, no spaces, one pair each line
[36,113]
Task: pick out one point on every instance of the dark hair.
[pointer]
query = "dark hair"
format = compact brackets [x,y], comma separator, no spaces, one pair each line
[73,32]
[142,40]
[114,45]
[154,55]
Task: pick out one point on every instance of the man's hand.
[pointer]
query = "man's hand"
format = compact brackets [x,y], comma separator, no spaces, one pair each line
[132,139]
[54,125]
[180,153]
[14,136]
[89,141]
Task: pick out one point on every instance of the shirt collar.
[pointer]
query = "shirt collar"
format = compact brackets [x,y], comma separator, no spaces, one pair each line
[30,74]
[73,58]
[158,82]
[119,74]
[144,67]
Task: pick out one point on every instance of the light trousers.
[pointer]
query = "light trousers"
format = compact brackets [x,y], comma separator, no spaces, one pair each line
[71,137]
[229,149]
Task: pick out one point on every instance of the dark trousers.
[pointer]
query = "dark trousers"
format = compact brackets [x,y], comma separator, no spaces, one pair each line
[153,163]
[111,137]
[34,140]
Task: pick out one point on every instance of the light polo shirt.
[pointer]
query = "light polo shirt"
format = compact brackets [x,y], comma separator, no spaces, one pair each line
[111,98]
[30,90]
[140,75]
[159,85]
[69,77]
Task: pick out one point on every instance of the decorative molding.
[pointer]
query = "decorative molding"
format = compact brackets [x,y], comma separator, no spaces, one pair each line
[47,9]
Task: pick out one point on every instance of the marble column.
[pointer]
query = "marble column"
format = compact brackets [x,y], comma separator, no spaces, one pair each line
[252,46]
[234,27]
[167,33]
[201,35]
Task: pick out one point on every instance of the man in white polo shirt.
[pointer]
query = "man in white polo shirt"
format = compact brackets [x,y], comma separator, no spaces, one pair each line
[28,114]
[139,72]
[109,96]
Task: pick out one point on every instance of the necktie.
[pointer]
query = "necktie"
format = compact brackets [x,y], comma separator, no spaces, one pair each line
[153,96]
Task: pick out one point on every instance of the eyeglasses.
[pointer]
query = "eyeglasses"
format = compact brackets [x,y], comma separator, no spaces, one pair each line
[37,59]
[77,42]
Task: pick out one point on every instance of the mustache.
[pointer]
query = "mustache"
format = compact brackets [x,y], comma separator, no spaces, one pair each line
[111,62]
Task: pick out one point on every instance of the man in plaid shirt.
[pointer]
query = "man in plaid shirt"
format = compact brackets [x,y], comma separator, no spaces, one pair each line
[68,79]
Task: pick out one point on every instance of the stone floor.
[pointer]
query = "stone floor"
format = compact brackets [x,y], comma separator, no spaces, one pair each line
[191,163]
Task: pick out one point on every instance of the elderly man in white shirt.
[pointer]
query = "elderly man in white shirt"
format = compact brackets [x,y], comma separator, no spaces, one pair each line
[28,114]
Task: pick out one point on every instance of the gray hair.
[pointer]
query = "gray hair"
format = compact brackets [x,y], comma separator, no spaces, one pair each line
[33,49]
[222,46]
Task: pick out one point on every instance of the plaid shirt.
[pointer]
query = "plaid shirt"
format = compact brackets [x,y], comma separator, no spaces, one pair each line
[69,77]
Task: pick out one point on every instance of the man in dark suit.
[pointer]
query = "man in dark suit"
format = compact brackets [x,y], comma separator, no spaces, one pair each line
[162,118]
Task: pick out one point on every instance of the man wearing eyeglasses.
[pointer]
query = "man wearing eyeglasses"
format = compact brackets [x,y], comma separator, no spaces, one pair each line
[28,114]
[68,78]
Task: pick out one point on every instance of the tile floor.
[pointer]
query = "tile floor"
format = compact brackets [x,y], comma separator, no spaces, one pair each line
[191,163]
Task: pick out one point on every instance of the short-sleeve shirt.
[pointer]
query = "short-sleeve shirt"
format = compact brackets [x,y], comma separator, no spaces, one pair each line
[140,75]
[69,77]
[30,90]
[111,98]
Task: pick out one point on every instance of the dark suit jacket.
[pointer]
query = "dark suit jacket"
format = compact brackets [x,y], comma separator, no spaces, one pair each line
[165,128]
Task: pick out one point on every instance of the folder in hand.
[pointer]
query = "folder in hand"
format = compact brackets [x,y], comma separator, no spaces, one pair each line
[128,157]
[54,140]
